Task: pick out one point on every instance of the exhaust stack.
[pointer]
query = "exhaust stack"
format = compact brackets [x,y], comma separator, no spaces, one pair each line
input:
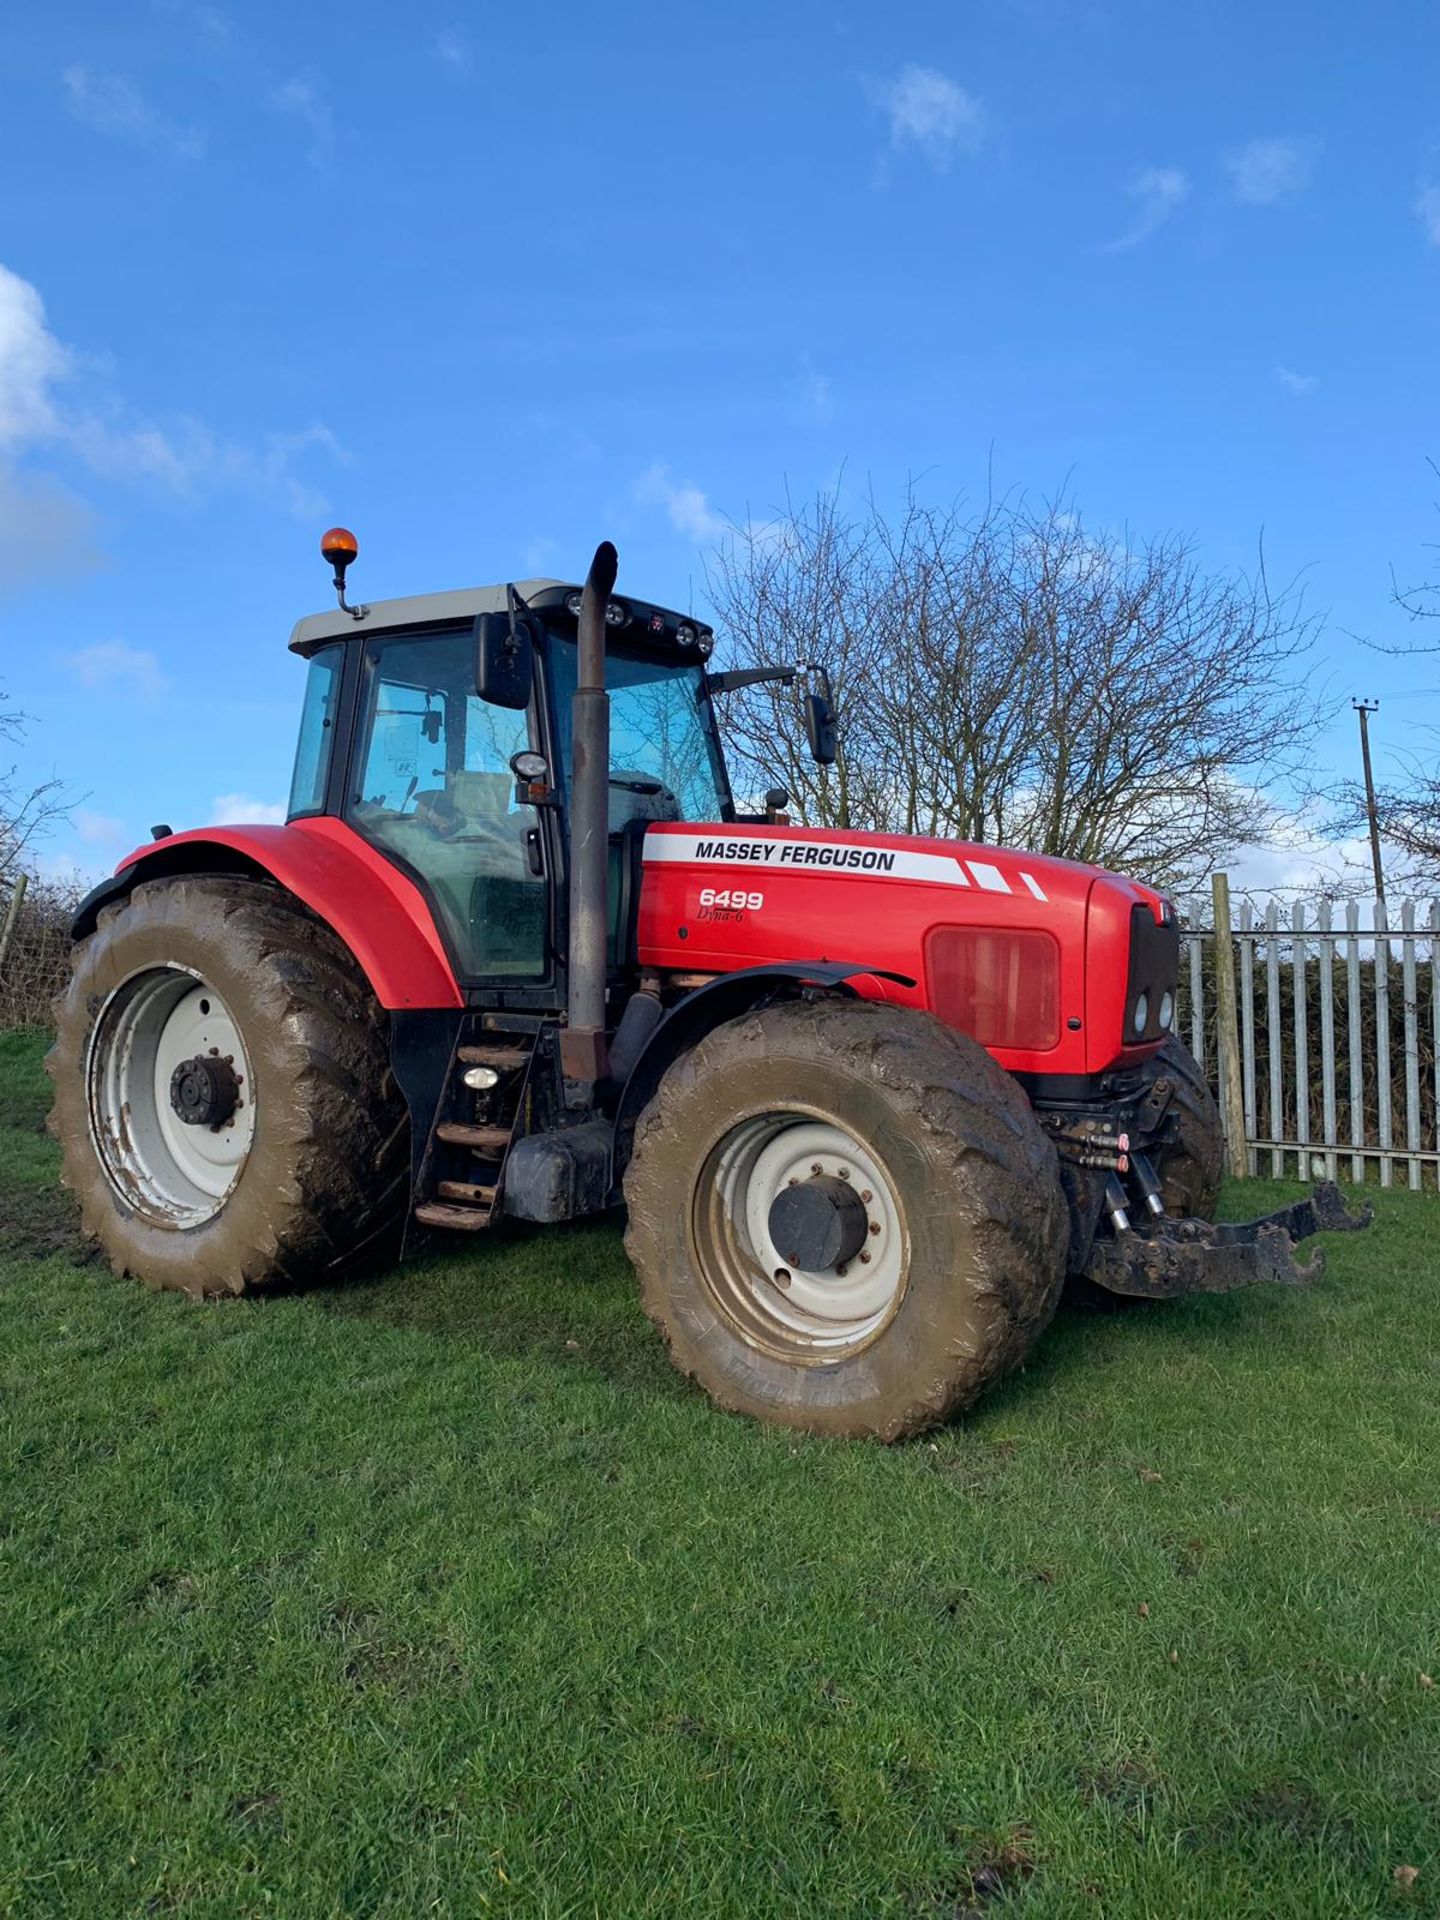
[582,1042]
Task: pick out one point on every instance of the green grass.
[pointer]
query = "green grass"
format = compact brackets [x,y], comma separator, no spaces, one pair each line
[444,1595]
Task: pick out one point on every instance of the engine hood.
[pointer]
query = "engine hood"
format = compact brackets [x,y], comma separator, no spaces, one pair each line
[1051,933]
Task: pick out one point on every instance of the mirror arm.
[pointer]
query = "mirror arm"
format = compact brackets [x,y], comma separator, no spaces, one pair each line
[739,677]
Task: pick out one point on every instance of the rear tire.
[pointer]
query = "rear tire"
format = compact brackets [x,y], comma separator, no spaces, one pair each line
[966,1233]
[310,1171]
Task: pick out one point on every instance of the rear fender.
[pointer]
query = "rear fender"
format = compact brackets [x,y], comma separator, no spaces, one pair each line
[726,998]
[377,911]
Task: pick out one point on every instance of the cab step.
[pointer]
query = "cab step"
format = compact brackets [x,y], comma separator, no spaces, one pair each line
[503,1059]
[466,1191]
[466,1219]
[460,1133]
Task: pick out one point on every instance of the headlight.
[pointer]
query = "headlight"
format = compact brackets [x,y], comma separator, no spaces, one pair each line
[686,634]
[616,613]
[574,602]
[1142,1012]
[1167,1011]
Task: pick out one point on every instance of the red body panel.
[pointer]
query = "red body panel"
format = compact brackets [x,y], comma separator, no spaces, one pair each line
[822,894]
[378,912]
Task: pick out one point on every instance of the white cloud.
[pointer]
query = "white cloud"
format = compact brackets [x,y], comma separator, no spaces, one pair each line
[305,102]
[187,456]
[109,103]
[109,666]
[811,398]
[32,360]
[689,511]
[452,49]
[1297,383]
[1427,212]
[1298,861]
[46,532]
[207,21]
[1157,192]
[99,829]
[191,459]
[242,810]
[928,111]
[1265,171]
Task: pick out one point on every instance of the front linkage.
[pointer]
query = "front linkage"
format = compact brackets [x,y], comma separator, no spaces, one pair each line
[1166,1256]
[1112,1157]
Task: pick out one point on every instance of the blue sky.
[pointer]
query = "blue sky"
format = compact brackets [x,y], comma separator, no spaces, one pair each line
[489,283]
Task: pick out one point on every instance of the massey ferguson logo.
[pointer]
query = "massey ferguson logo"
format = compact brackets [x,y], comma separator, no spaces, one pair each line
[796,853]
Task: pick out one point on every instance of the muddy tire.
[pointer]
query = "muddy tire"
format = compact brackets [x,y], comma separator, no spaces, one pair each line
[286,1160]
[962,1218]
[1191,1167]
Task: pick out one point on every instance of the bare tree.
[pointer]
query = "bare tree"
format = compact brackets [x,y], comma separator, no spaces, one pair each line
[1014,678]
[26,812]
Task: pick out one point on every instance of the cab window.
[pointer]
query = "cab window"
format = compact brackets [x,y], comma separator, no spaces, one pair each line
[432,786]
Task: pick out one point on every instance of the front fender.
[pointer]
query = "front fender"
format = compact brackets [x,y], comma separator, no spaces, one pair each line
[377,911]
[725,998]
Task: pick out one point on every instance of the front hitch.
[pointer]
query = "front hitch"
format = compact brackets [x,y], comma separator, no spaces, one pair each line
[1167,1257]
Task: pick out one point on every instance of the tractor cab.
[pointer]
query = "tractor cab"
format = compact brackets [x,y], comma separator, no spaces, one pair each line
[403,738]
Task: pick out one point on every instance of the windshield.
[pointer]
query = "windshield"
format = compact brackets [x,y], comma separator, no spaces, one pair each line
[661,733]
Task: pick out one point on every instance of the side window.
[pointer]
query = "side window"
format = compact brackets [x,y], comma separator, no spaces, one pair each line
[434,789]
[317,732]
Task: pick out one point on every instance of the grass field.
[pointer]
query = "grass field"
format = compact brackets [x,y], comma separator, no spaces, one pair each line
[444,1595]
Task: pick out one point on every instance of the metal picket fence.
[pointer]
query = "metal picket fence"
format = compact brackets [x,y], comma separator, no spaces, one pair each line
[1331,1013]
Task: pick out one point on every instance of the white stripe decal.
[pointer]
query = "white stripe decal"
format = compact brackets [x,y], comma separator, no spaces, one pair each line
[782,855]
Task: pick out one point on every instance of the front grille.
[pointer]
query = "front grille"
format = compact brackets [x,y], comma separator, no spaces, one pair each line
[1154,971]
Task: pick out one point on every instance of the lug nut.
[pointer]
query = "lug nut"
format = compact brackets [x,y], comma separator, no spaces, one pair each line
[842,1270]
[815,1167]
[844,1173]
[864,1256]
[874,1226]
[866,1196]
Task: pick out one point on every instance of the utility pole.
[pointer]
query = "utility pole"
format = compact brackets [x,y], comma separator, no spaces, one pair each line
[1365,708]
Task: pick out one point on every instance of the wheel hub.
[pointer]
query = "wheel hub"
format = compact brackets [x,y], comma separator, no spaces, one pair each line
[204,1091]
[800,1236]
[819,1223]
[171,1094]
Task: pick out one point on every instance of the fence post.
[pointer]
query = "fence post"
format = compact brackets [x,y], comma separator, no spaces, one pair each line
[1232,1103]
[12,917]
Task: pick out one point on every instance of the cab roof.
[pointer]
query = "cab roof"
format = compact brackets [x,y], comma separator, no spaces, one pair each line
[415,610]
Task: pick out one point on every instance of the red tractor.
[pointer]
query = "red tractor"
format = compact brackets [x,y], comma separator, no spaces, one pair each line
[867,1098]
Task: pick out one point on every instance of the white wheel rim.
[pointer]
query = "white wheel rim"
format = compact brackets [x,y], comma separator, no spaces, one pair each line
[175,1173]
[810,1316]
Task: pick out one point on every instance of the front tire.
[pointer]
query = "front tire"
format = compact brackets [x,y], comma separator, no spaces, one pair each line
[962,1229]
[223,1097]
[1190,1167]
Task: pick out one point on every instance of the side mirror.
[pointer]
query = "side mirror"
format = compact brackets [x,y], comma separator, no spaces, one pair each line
[820,728]
[504,659]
